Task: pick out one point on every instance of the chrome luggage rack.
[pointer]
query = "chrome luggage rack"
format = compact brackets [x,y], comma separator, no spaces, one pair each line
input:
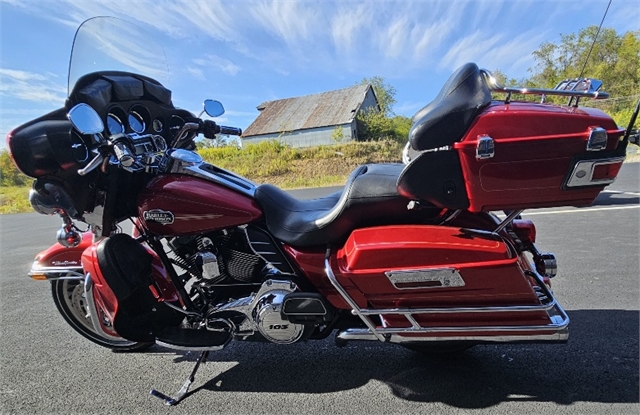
[574,88]
[558,326]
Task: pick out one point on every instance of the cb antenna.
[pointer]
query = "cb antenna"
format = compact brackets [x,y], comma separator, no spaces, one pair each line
[594,40]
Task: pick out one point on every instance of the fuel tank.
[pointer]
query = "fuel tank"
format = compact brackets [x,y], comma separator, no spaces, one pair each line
[183,205]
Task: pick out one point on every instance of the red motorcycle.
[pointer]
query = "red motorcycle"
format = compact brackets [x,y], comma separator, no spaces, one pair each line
[406,253]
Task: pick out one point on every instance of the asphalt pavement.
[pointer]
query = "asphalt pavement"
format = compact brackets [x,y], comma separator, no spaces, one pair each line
[45,367]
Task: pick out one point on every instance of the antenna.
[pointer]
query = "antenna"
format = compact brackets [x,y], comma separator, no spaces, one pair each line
[594,40]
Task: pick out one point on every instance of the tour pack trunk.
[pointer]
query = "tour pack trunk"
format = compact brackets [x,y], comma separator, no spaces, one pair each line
[520,155]
[527,155]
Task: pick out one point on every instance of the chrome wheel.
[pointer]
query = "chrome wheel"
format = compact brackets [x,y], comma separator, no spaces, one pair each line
[69,297]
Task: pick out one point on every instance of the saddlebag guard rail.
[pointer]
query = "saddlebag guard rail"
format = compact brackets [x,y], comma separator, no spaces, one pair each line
[556,331]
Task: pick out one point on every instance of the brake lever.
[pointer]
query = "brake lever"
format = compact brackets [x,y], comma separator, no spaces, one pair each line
[97,161]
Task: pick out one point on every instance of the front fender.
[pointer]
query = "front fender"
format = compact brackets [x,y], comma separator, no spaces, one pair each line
[58,261]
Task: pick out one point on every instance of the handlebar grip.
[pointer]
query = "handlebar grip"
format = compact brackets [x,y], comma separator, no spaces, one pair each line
[230,130]
[123,154]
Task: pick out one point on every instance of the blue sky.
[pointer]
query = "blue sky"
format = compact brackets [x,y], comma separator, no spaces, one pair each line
[247,52]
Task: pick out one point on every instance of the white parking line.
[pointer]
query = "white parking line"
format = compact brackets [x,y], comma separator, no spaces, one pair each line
[583,210]
[617,192]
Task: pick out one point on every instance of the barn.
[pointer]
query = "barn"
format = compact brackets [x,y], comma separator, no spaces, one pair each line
[311,120]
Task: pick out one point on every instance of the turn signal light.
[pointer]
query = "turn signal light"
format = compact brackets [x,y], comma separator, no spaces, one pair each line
[38,277]
[525,229]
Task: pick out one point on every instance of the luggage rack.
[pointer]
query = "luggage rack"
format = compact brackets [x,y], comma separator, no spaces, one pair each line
[557,316]
[575,88]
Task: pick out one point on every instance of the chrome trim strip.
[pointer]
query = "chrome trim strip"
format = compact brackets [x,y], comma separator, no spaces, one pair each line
[363,334]
[178,161]
[58,273]
[93,310]
[504,309]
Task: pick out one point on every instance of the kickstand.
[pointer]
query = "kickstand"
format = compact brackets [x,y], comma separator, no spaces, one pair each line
[185,388]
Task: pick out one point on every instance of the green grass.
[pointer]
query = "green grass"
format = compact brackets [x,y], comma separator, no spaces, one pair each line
[14,199]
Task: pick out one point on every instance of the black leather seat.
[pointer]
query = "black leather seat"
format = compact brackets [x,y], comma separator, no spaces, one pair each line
[445,119]
[436,176]
[369,198]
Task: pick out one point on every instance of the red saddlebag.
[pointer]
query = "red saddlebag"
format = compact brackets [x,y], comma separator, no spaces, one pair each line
[413,267]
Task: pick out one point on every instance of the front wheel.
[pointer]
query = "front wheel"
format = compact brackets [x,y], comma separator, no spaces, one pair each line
[69,297]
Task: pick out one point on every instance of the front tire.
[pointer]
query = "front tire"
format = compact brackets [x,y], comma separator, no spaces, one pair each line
[69,298]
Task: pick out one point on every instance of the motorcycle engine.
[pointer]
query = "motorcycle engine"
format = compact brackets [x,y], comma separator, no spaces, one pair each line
[266,314]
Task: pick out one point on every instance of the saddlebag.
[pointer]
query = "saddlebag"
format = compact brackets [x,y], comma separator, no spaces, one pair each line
[451,271]
[124,280]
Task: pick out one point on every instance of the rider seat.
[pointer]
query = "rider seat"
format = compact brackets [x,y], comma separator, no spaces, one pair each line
[369,198]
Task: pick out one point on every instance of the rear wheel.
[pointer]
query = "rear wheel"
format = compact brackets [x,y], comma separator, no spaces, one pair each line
[69,297]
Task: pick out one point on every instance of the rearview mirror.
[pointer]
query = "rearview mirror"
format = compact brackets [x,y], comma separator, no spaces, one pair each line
[213,108]
[85,119]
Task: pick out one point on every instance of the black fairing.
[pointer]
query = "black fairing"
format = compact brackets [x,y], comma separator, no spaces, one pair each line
[126,267]
[99,89]
[445,120]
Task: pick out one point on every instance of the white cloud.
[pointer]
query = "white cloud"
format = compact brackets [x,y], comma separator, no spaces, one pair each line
[217,62]
[196,72]
[291,21]
[494,51]
[21,75]
[29,86]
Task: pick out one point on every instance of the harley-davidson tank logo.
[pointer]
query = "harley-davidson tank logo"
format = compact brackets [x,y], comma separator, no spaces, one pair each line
[162,217]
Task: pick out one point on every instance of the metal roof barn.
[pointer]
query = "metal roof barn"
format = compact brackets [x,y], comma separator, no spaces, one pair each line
[311,119]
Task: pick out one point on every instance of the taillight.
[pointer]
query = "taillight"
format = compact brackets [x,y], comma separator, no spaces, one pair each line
[525,230]
[606,171]
[595,172]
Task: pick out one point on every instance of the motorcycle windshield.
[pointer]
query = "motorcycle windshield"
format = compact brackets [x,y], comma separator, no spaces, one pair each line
[111,44]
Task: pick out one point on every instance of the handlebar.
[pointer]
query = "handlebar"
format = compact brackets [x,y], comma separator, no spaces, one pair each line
[119,145]
[209,129]
[230,130]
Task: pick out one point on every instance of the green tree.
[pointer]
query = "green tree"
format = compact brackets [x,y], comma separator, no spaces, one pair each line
[9,173]
[614,59]
[385,93]
[381,123]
